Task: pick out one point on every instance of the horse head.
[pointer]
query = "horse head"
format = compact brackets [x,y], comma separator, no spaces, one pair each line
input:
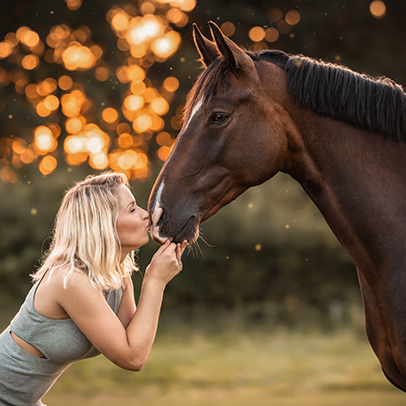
[236,134]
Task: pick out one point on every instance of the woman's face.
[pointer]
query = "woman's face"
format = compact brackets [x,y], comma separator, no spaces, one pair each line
[132,222]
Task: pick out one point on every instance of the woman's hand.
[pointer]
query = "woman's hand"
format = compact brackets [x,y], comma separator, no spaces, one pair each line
[166,263]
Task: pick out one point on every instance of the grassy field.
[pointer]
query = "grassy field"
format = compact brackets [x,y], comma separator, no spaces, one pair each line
[236,369]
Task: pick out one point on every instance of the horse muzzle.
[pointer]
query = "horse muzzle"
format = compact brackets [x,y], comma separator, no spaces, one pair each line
[177,230]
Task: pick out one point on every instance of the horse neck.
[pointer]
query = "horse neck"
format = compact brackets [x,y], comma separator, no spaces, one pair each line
[357,180]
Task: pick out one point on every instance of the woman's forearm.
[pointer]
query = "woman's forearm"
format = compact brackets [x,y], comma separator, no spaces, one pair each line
[142,329]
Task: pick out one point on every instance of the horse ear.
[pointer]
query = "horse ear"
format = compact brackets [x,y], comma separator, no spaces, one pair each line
[232,53]
[207,49]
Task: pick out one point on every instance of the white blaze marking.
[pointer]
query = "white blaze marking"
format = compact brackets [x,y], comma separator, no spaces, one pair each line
[158,209]
[196,108]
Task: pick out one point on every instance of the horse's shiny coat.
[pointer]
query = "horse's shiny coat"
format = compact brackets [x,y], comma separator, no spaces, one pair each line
[245,122]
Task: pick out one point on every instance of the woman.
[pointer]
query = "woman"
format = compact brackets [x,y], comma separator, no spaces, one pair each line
[82,302]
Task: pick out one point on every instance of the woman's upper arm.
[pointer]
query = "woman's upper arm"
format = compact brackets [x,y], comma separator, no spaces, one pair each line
[127,307]
[88,309]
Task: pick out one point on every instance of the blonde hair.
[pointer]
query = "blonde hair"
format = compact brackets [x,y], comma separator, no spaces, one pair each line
[85,237]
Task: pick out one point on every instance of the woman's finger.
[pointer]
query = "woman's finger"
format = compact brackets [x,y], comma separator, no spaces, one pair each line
[180,248]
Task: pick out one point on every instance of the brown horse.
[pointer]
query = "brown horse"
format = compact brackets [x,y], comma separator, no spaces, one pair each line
[338,133]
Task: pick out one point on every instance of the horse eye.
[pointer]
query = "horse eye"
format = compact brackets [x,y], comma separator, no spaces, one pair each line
[219,118]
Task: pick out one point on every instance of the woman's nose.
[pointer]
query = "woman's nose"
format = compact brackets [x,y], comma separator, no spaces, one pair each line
[145,214]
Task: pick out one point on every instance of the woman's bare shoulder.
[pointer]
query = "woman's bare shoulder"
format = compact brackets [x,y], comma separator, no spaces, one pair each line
[52,292]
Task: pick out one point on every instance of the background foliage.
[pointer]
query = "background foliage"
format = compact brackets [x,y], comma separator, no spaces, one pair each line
[270,256]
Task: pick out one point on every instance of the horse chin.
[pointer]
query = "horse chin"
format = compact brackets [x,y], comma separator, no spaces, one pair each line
[189,233]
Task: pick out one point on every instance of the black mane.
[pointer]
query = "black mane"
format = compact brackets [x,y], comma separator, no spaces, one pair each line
[375,104]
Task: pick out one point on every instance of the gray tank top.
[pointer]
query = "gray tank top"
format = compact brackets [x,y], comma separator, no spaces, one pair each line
[25,378]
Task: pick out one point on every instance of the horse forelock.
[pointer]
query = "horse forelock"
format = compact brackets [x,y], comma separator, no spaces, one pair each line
[206,86]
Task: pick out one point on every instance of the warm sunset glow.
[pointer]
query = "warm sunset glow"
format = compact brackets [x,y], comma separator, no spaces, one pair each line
[144,36]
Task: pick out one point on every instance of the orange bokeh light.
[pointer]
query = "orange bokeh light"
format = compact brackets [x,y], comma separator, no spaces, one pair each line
[159,106]
[44,140]
[48,165]
[110,115]
[5,49]
[65,82]
[256,34]
[292,17]
[163,138]
[19,146]
[29,38]
[74,125]
[30,61]
[51,102]
[271,34]
[73,4]
[133,102]
[144,32]
[163,153]
[78,57]
[72,103]
[377,9]
[166,45]
[120,21]
[171,84]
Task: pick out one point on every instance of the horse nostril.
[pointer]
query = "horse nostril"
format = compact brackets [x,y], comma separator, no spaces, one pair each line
[156,214]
